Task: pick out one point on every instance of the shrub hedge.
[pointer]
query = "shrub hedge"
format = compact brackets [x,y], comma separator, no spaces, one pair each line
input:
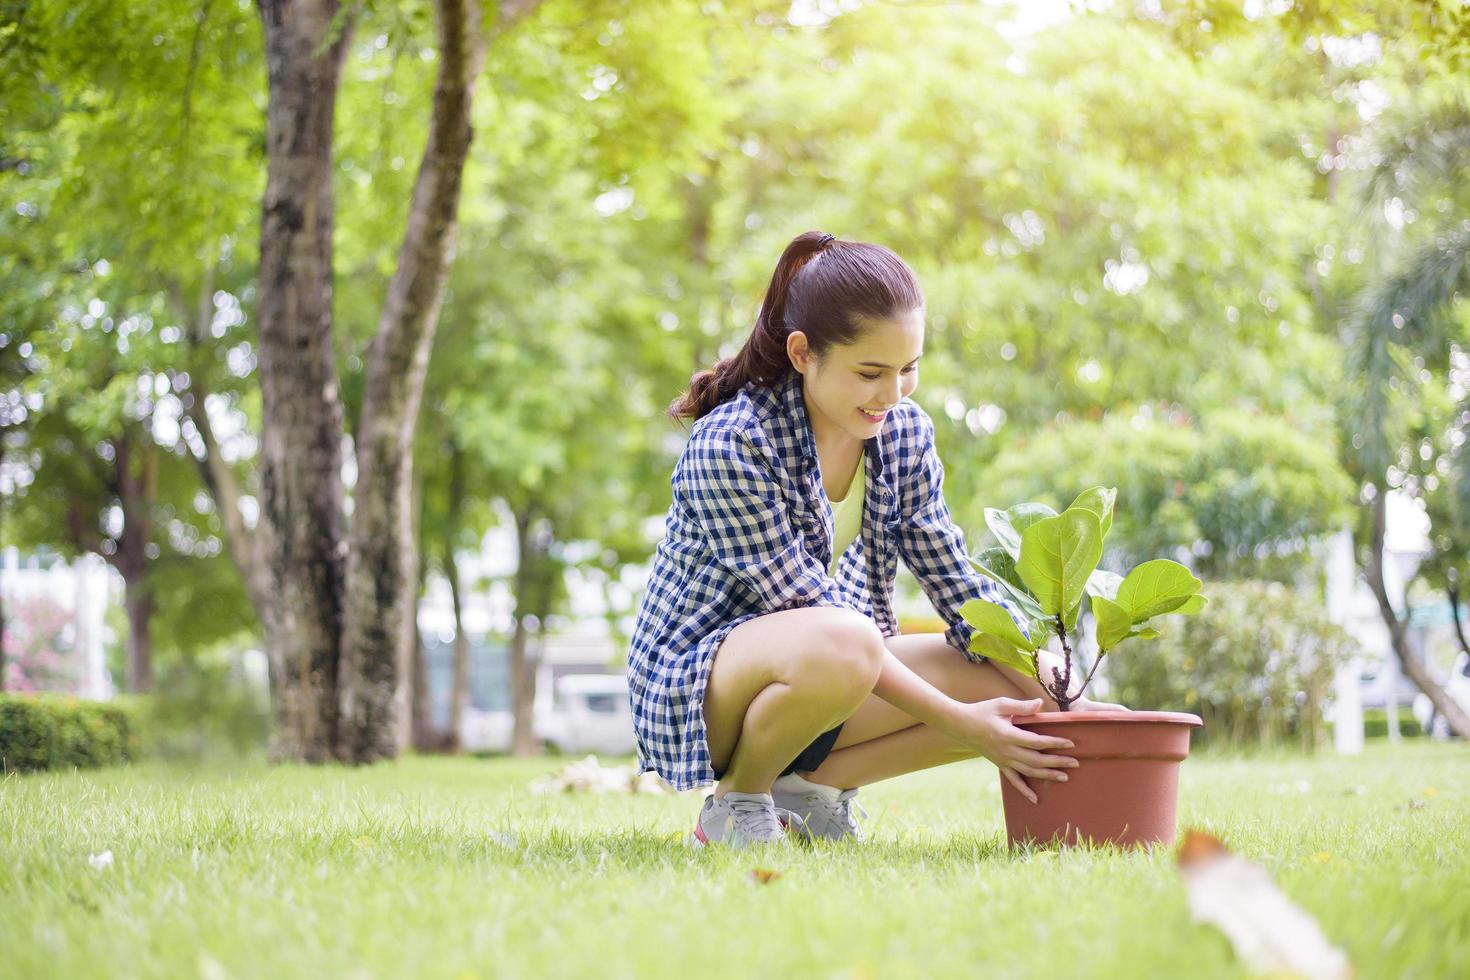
[59,732]
[1257,665]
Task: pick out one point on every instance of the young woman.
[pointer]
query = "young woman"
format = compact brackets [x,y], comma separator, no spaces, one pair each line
[766,654]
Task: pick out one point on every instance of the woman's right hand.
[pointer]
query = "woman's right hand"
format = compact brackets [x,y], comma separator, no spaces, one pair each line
[986,726]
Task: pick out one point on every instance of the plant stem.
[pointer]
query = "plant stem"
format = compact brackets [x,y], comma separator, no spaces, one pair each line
[1061,683]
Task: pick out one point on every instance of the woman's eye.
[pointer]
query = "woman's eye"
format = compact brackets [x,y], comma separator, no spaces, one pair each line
[911,369]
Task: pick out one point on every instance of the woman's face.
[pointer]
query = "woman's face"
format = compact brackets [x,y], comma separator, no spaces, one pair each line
[851,388]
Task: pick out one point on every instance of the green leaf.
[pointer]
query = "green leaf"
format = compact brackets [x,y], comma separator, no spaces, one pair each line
[989,645]
[1023,516]
[1193,604]
[1113,622]
[1058,554]
[1146,633]
[1156,587]
[1104,583]
[1100,583]
[1100,501]
[988,617]
[1000,526]
[997,566]
[1009,525]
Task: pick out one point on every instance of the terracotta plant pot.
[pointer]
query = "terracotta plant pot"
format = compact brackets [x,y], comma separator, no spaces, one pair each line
[1125,790]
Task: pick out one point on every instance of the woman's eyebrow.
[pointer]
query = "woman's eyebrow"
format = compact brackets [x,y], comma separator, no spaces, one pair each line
[877,365]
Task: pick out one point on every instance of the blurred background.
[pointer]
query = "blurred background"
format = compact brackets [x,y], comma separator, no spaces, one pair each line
[1213,254]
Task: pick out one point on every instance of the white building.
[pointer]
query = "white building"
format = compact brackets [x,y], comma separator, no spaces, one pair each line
[81,589]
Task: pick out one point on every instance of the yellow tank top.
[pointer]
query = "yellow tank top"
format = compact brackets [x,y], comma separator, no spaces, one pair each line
[847,514]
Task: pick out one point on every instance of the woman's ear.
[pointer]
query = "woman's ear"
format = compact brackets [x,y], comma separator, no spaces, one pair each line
[797,350]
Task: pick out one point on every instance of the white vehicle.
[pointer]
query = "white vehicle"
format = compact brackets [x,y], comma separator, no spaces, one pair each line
[582,713]
[1457,687]
[591,714]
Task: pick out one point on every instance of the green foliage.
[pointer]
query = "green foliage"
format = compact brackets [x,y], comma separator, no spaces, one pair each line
[203,710]
[50,732]
[1257,665]
[1375,723]
[1238,492]
[1053,569]
[1132,229]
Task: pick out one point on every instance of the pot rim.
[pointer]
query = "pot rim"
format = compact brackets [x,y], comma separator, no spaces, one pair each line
[1123,717]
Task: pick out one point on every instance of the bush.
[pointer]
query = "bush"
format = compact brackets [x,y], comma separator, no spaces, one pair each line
[1257,665]
[202,710]
[1375,723]
[61,732]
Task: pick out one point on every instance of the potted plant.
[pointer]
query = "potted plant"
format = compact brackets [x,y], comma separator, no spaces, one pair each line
[1126,788]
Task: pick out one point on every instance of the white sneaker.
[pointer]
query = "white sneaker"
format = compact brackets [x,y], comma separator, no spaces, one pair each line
[824,811]
[743,819]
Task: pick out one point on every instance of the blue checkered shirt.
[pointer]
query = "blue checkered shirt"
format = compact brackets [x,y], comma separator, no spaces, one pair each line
[750,533]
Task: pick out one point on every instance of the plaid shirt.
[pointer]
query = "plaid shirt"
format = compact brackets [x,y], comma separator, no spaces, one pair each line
[750,533]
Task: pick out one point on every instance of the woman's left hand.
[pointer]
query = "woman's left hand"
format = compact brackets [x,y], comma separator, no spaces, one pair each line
[1087,704]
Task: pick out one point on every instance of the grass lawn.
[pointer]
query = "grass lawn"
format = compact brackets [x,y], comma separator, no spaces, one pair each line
[451,867]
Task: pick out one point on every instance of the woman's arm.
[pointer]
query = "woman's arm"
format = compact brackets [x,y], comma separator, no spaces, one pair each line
[933,548]
[914,696]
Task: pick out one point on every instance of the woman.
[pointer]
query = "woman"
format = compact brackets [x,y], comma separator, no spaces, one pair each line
[766,654]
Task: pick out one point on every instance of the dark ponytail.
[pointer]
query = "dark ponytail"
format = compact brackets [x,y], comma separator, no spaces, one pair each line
[821,286]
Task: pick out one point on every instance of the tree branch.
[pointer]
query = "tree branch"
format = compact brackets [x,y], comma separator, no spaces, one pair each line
[218,476]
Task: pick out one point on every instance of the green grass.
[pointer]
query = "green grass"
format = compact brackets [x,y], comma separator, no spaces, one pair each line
[445,867]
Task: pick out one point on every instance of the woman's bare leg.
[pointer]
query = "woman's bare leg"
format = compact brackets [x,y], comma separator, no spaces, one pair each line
[779,681]
[879,741]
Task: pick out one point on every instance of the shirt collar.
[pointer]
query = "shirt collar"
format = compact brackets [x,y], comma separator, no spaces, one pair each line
[793,403]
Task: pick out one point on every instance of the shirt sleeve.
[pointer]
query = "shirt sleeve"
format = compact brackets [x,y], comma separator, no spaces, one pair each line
[730,489]
[933,548]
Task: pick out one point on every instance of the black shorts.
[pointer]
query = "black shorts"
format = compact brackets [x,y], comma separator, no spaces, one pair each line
[810,757]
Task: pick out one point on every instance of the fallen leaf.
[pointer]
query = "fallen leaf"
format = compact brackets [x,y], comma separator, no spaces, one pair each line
[763,876]
[1268,932]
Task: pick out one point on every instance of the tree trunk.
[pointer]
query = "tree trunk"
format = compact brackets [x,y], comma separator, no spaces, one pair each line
[524,741]
[1413,667]
[135,481]
[138,600]
[1454,593]
[459,690]
[422,735]
[420,729]
[301,430]
[383,552]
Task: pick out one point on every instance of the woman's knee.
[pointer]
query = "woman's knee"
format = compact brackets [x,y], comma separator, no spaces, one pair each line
[843,649]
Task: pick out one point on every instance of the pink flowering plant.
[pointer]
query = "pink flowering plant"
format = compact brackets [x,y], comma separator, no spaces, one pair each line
[1046,565]
[38,654]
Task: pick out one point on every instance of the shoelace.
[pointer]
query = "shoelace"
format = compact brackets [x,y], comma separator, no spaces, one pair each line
[845,805]
[755,819]
[840,809]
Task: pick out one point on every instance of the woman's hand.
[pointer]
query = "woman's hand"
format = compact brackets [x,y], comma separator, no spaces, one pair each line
[1085,704]
[986,726]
